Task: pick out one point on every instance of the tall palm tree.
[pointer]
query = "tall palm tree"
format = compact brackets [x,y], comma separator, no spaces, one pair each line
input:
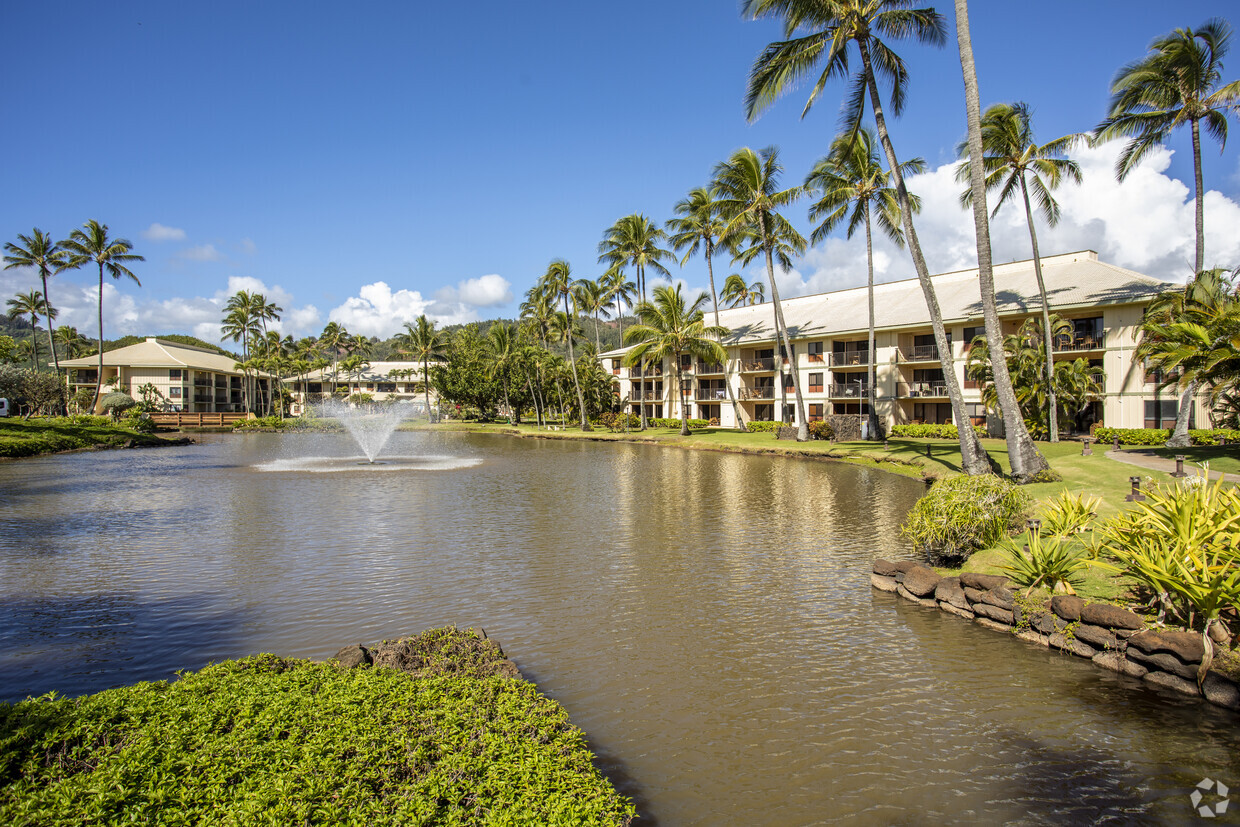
[1177,82]
[501,348]
[736,293]
[31,304]
[558,281]
[239,325]
[37,250]
[1026,460]
[852,185]
[667,328]
[832,25]
[91,244]
[700,227]
[1013,164]
[619,290]
[71,342]
[591,297]
[747,185]
[633,241]
[333,339]
[423,342]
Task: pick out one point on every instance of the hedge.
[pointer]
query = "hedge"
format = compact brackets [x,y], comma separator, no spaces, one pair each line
[927,431]
[756,427]
[1157,436]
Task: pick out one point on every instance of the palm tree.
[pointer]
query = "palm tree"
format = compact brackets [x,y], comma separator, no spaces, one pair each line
[333,338]
[633,241]
[37,250]
[747,185]
[423,342]
[669,327]
[91,243]
[832,27]
[558,281]
[1026,460]
[853,186]
[699,227]
[592,298]
[71,342]
[619,290]
[32,304]
[736,293]
[1177,82]
[1013,164]
[501,348]
[240,326]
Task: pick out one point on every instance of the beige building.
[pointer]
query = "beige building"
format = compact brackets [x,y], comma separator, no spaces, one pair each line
[401,381]
[830,352]
[190,379]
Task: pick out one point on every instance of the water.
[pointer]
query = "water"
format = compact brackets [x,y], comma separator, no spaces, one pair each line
[706,618]
[371,426]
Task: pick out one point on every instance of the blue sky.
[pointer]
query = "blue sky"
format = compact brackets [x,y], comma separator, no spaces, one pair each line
[366,163]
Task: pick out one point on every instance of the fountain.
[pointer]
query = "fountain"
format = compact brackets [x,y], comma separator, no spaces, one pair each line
[371,427]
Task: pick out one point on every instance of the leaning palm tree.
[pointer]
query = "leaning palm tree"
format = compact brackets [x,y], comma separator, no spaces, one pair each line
[37,250]
[558,281]
[91,244]
[747,185]
[736,293]
[852,185]
[502,351]
[32,304]
[423,342]
[1177,82]
[633,241]
[1027,462]
[832,25]
[1014,164]
[667,328]
[699,227]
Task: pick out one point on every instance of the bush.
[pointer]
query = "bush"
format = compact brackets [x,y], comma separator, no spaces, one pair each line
[674,423]
[280,741]
[616,422]
[116,403]
[961,515]
[926,431]
[1051,562]
[134,420]
[821,430]
[1157,436]
[756,427]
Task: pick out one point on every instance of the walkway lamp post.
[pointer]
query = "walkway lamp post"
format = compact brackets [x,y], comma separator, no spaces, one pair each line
[1136,495]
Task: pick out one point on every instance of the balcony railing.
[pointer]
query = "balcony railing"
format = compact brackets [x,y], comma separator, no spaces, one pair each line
[758,393]
[757,365]
[848,389]
[638,373]
[649,396]
[851,358]
[1085,341]
[919,353]
[922,390]
[712,394]
[703,367]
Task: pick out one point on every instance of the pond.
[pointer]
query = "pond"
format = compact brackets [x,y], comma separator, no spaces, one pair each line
[705,617]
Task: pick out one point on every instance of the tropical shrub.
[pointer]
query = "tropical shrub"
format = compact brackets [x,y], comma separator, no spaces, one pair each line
[1068,515]
[617,422]
[928,431]
[135,420]
[31,391]
[756,427]
[821,430]
[673,423]
[1045,560]
[1157,436]
[280,741]
[961,515]
[116,403]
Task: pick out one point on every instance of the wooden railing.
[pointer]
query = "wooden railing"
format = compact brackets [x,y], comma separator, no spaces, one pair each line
[196,420]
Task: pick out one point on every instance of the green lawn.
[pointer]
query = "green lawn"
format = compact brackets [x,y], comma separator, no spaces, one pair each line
[27,438]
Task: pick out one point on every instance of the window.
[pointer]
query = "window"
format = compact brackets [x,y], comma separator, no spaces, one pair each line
[174,392]
[1160,413]
[686,361]
[178,375]
[788,385]
[815,383]
[815,412]
[971,333]
[815,351]
[764,413]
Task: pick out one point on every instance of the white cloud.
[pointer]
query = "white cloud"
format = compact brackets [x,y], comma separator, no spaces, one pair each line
[158,232]
[1145,224]
[377,311]
[248,246]
[201,252]
[485,291]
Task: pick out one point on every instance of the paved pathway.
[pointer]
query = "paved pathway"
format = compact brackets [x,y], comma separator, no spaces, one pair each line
[1153,462]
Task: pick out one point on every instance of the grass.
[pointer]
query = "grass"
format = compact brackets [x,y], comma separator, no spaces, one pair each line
[1226,459]
[32,437]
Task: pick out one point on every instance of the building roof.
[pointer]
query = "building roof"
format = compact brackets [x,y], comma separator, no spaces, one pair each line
[158,353]
[1073,280]
[375,372]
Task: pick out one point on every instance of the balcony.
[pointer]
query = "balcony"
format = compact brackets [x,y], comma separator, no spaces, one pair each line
[1080,342]
[850,390]
[758,365]
[922,390]
[638,373]
[648,396]
[852,358]
[711,394]
[703,367]
[758,393]
[919,353]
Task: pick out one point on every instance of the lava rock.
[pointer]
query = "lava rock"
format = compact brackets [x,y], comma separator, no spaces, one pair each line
[982,582]
[1030,636]
[904,565]
[1116,662]
[1221,690]
[993,625]
[1045,622]
[883,583]
[955,610]
[1187,646]
[1001,597]
[1067,606]
[1166,681]
[994,613]
[921,581]
[920,601]
[1165,662]
[1097,636]
[949,591]
[351,657]
[1219,634]
[1076,647]
[885,567]
[1112,617]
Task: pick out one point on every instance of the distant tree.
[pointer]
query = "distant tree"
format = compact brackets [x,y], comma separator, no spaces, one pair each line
[557,281]
[32,303]
[501,348]
[635,241]
[463,377]
[7,348]
[736,293]
[72,343]
[423,343]
[38,251]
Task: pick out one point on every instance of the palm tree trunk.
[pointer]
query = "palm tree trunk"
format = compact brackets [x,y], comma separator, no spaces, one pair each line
[1200,199]
[641,394]
[34,342]
[581,400]
[871,393]
[529,381]
[99,376]
[598,342]
[680,389]
[973,458]
[51,343]
[1025,459]
[727,380]
[1051,401]
[782,332]
[1179,436]
[426,389]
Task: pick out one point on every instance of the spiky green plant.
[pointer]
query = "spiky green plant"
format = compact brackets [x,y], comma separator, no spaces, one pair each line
[1045,560]
[1068,515]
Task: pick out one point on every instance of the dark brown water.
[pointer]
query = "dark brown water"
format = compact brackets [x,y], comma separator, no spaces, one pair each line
[706,619]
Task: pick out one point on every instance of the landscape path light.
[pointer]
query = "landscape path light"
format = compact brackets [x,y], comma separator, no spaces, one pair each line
[1136,495]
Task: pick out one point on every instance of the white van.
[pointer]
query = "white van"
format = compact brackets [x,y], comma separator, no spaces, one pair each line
[4,407]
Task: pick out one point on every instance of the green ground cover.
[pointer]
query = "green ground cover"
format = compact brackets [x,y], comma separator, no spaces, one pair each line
[270,740]
[47,435]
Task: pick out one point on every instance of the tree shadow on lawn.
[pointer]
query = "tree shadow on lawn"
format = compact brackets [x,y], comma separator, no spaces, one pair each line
[81,644]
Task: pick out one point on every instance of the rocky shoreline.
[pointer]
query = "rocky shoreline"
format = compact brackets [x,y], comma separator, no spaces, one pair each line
[1110,636]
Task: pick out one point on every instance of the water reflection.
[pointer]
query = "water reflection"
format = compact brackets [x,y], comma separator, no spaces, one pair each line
[705,618]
